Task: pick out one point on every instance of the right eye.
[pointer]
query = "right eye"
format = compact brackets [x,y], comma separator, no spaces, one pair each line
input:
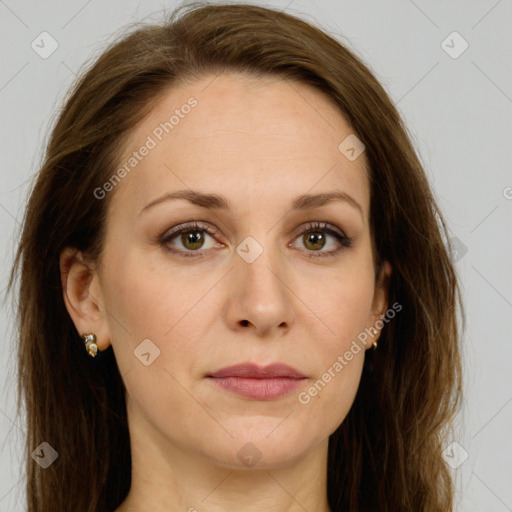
[192,238]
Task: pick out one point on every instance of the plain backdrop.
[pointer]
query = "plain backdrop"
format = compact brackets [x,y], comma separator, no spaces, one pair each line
[448,68]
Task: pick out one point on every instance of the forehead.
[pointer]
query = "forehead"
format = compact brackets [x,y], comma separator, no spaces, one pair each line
[251,135]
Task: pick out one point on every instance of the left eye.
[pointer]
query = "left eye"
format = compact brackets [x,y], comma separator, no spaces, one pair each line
[315,233]
[314,237]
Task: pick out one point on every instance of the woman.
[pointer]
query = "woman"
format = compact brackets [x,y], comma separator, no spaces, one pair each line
[235,291]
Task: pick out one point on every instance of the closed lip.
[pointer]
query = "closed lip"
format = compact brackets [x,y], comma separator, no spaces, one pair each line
[253,371]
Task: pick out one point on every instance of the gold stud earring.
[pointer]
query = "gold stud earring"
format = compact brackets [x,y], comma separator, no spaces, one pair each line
[90,343]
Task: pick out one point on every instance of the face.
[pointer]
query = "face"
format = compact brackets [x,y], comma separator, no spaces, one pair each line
[264,276]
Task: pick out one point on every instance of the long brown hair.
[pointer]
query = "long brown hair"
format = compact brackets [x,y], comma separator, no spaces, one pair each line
[387,453]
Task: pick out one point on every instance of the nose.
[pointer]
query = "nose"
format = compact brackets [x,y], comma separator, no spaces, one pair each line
[260,295]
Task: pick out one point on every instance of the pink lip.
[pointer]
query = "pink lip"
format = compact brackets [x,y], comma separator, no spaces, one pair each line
[253,371]
[252,381]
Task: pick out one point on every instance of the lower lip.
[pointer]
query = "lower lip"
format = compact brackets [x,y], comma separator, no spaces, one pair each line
[258,389]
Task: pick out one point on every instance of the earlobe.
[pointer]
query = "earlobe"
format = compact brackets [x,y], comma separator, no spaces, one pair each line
[82,296]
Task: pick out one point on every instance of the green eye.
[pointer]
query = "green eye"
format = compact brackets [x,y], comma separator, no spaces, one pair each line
[315,236]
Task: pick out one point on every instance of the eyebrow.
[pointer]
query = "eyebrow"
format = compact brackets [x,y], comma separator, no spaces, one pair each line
[215,201]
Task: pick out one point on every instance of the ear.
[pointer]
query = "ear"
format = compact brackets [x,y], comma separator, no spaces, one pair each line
[82,296]
[381,294]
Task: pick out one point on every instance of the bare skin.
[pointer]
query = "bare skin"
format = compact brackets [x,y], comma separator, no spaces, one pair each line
[260,144]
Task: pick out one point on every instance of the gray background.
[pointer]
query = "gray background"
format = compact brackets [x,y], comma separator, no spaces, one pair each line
[459,113]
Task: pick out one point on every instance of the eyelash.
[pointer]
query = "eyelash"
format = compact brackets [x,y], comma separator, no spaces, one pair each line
[314,227]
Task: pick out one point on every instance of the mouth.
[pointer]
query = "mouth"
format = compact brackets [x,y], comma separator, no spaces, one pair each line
[258,383]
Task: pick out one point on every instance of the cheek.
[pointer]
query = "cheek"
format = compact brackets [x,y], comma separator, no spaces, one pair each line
[332,394]
[138,296]
[156,304]
[343,305]
[148,315]
[343,312]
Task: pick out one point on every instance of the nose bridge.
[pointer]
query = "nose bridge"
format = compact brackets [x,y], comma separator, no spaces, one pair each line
[261,294]
[260,262]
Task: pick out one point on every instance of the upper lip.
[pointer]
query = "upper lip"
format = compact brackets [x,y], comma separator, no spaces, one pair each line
[253,371]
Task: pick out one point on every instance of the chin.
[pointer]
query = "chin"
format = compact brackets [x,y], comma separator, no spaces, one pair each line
[261,447]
